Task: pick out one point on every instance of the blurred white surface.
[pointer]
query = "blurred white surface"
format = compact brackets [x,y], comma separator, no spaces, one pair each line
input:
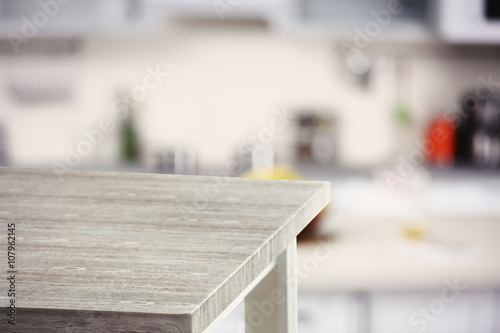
[459,218]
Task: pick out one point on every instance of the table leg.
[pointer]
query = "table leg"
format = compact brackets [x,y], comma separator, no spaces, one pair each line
[271,307]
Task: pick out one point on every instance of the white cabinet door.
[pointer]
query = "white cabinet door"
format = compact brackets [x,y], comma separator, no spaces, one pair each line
[429,312]
[31,19]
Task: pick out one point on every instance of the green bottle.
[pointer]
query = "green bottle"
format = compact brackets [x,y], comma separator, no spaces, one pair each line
[129,138]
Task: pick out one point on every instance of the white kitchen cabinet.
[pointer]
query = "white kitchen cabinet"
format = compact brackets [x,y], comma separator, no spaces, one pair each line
[70,17]
[466,21]
[277,13]
[376,18]
[496,320]
[54,18]
[399,313]
[331,313]
[473,311]
[316,16]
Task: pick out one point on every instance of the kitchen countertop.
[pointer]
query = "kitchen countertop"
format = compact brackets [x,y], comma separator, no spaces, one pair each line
[457,209]
[143,252]
[375,256]
[459,214]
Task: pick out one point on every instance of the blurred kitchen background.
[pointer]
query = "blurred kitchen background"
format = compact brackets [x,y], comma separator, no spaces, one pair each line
[395,102]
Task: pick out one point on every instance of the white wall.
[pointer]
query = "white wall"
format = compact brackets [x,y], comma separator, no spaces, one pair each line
[225,82]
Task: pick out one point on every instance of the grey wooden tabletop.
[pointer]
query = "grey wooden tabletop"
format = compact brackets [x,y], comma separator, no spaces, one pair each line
[100,251]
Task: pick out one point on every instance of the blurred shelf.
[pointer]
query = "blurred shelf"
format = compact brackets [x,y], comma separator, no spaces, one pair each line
[316,171]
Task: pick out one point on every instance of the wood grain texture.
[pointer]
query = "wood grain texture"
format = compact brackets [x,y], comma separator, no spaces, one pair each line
[117,252]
